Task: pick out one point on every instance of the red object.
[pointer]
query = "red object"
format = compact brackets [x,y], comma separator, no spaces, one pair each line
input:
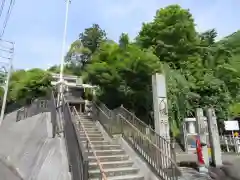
[199,152]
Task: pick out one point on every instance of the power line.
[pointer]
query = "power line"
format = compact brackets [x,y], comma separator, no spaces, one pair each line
[12,2]
[7,78]
[2,6]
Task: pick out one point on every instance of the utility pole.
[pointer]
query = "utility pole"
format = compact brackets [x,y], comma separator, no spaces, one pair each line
[61,89]
[8,52]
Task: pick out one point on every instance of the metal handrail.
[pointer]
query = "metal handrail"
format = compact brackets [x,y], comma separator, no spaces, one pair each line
[158,154]
[139,120]
[91,146]
[104,107]
[78,160]
[165,159]
[145,137]
[151,130]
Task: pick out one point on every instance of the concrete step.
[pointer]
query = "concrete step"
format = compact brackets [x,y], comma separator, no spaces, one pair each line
[91,134]
[84,115]
[109,158]
[90,129]
[92,138]
[112,164]
[89,125]
[98,142]
[85,118]
[114,172]
[107,147]
[107,152]
[126,177]
[87,122]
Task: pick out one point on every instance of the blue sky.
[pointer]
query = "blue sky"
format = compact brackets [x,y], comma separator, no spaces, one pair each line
[36,26]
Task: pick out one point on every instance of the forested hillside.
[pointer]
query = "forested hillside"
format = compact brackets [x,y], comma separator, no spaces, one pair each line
[232,42]
[200,71]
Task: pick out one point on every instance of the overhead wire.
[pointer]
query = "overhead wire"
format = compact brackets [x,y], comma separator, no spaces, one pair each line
[12,2]
[1,8]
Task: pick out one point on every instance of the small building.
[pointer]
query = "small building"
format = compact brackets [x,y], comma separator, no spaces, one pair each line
[74,90]
[69,79]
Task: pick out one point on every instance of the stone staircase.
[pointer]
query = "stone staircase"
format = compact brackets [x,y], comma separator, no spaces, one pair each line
[116,164]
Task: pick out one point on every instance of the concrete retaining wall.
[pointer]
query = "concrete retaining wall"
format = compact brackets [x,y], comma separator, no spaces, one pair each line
[28,145]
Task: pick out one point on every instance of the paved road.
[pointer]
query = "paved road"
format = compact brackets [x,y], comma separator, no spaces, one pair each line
[184,157]
[230,171]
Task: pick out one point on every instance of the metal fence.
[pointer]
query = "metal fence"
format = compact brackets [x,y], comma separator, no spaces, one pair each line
[158,158]
[37,106]
[156,150]
[77,157]
[230,143]
[47,104]
[147,130]
[106,118]
[53,108]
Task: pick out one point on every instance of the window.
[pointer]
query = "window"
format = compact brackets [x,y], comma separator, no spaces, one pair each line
[43,104]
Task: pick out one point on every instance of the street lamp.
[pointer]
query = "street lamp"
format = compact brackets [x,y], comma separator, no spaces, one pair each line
[60,94]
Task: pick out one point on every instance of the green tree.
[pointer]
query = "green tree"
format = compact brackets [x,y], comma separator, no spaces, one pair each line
[124,40]
[81,50]
[200,71]
[208,37]
[171,34]
[194,60]
[30,84]
[124,76]
[69,69]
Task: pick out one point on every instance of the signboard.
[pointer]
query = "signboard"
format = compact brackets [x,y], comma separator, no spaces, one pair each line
[231,125]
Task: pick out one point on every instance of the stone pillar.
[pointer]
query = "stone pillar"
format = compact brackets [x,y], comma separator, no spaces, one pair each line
[214,137]
[160,105]
[202,132]
[161,115]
